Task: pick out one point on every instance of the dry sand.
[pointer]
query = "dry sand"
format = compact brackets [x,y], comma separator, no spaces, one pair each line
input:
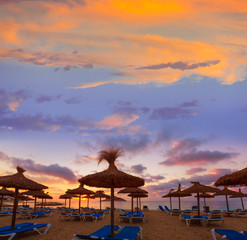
[158,226]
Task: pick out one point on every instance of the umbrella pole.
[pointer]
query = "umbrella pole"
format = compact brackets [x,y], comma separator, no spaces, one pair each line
[132,205]
[69,202]
[80,203]
[34,209]
[242,202]
[204,203]
[100,203]
[112,211]
[65,202]
[227,205]
[179,204]
[198,205]
[14,209]
[137,205]
[209,204]
[140,204]
[170,203]
[1,203]
[88,201]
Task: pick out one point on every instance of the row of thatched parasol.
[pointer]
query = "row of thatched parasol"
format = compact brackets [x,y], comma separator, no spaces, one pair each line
[201,190]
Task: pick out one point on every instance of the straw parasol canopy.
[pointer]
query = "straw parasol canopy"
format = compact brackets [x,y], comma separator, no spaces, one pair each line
[132,190]
[100,194]
[234,179]
[36,194]
[19,181]
[179,193]
[169,195]
[67,196]
[199,188]
[80,191]
[111,177]
[240,195]
[5,192]
[226,192]
[116,199]
[138,196]
[204,196]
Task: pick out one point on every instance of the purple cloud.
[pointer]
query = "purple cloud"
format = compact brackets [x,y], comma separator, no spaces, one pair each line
[139,168]
[51,170]
[167,113]
[180,65]
[43,98]
[193,171]
[185,153]
[160,189]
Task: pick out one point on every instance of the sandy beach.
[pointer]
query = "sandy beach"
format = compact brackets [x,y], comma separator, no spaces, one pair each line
[158,226]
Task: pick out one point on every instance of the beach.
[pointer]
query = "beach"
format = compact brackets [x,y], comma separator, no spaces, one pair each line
[158,225]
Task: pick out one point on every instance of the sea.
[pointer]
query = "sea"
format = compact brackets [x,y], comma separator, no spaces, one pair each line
[154,205]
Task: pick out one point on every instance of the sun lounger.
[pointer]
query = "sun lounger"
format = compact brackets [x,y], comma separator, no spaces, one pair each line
[102,233]
[168,210]
[6,213]
[218,220]
[125,216]
[138,216]
[145,208]
[34,227]
[93,216]
[16,226]
[162,209]
[228,234]
[39,214]
[128,232]
[196,218]
[175,212]
[183,217]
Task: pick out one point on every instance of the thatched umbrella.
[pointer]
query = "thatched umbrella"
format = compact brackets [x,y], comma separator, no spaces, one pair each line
[234,179]
[138,196]
[36,194]
[5,192]
[132,190]
[100,194]
[169,195]
[112,177]
[67,196]
[80,191]
[240,195]
[45,196]
[179,193]
[226,192]
[115,199]
[19,181]
[204,196]
[199,188]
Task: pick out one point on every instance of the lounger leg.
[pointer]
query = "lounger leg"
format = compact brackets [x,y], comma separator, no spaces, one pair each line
[11,236]
[213,234]
[47,228]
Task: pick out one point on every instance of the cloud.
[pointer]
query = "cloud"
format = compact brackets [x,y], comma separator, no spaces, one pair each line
[116,120]
[152,178]
[11,100]
[134,144]
[45,98]
[54,170]
[195,170]
[208,179]
[167,113]
[73,100]
[139,168]
[82,159]
[180,65]
[185,152]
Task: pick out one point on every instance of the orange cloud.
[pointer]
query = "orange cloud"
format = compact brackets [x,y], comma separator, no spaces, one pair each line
[116,120]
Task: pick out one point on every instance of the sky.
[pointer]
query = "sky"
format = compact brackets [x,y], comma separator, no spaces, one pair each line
[164,80]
